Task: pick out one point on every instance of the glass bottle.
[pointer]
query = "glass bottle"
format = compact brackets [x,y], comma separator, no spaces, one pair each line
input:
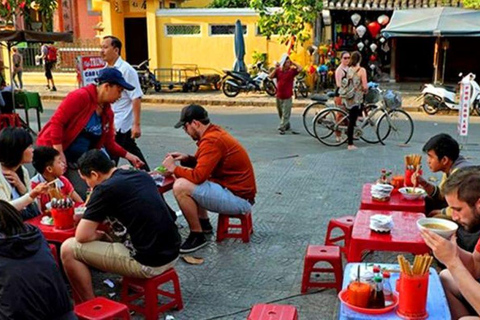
[387,288]
[377,299]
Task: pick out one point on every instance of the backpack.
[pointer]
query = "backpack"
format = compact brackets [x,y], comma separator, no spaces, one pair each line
[347,89]
[51,54]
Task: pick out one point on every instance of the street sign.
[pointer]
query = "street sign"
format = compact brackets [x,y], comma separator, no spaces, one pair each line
[88,68]
[464,112]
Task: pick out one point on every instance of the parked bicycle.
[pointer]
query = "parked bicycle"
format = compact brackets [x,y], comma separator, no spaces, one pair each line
[383,120]
[300,86]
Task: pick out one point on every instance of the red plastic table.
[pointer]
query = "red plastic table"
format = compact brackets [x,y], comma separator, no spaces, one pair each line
[51,233]
[167,184]
[396,203]
[404,237]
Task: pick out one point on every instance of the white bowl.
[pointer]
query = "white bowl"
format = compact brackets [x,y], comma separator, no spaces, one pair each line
[411,193]
[450,225]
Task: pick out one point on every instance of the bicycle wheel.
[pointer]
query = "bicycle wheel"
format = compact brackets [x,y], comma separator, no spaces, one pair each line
[309,114]
[368,123]
[330,127]
[397,126]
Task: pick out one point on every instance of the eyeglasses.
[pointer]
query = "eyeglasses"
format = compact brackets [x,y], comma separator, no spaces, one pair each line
[346,58]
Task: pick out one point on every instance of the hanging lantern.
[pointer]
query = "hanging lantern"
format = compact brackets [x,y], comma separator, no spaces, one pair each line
[312,69]
[382,40]
[385,47]
[374,28]
[373,47]
[97,5]
[355,18]
[361,31]
[373,58]
[383,20]
[360,46]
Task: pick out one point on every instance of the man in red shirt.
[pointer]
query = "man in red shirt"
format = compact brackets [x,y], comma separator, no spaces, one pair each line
[285,73]
[219,178]
[460,279]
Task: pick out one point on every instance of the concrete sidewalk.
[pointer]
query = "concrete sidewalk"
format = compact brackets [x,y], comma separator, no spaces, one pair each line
[214,98]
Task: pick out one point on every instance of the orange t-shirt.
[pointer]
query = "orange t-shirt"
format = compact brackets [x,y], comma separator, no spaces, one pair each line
[220,158]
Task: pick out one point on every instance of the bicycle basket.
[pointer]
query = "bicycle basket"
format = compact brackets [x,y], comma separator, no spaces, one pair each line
[392,99]
[373,96]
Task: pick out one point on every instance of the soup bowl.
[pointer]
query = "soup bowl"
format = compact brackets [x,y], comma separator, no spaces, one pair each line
[442,227]
[410,193]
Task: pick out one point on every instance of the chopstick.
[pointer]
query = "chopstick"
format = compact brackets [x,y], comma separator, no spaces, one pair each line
[52,182]
[421,265]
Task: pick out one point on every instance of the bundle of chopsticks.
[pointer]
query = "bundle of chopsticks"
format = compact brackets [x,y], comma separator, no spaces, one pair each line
[421,265]
[413,161]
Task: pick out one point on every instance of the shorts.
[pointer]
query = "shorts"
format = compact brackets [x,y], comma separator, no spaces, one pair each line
[213,197]
[114,257]
[48,69]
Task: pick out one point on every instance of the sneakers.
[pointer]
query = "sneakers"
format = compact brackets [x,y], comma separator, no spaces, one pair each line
[206,226]
[54,88]
[195,241]
[281,131]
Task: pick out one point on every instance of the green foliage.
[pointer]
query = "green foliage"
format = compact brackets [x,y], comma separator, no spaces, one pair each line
[471,4]
[44,8]
[292,19]
[229,4]
[259,57]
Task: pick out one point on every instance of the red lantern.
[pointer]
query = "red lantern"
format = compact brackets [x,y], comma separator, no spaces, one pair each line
[374,28]
[373,58]
[312,69]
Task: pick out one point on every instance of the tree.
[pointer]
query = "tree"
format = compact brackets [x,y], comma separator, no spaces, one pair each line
[471,4]
[229,4]
[291,20]
[43,10]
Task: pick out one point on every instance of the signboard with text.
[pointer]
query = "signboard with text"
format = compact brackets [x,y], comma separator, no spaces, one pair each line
[464,111]
[88,68]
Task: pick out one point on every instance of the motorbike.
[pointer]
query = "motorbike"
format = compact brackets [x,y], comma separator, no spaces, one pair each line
[439,97]
[300,86]
[146,77]
[235,82]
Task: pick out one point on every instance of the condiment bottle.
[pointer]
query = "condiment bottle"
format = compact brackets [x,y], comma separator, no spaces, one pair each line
[377,299]
[387,288]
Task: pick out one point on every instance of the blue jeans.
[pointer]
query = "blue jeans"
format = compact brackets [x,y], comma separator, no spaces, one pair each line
[215,198]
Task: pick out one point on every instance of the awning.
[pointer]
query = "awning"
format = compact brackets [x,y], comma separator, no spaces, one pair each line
[35,36]
[387,5]
[434,22]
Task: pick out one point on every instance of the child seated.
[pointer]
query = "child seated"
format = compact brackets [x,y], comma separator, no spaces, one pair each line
[50,167]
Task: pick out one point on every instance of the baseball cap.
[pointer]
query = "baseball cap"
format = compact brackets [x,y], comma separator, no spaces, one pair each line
[113,76]
[283,59]
[190,113]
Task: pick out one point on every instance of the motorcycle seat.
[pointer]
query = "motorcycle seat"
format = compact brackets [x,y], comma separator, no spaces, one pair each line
[319,98]
[448,88]
[243,75]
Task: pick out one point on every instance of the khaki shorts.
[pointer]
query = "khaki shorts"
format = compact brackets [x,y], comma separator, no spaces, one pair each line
[113,257]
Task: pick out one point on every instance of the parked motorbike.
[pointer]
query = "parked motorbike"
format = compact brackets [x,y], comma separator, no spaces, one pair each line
[146,77]
[235,82]
[439,97]
[300,86]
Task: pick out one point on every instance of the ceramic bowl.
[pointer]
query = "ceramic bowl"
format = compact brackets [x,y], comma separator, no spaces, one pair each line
[410,193]
[442,227]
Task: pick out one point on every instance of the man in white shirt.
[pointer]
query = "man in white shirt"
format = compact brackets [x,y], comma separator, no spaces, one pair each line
[126,109]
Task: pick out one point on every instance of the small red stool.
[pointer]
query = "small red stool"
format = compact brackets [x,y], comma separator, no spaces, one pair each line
[9,120]
[245,226]
[273,312]
[148,290]
[315,254]
[346,225]
[101,308]
[53,249]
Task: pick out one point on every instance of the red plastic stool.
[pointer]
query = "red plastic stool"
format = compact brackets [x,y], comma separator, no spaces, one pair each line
[273,312]
[101,308]
[148,290]
[10,120]
[330,254]
[53,249]
[346,225]
[245,226]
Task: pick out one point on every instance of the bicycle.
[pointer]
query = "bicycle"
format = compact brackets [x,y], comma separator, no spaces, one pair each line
[381,122]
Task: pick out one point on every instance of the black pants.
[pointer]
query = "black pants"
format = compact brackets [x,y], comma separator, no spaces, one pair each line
[129,144]
[353,114]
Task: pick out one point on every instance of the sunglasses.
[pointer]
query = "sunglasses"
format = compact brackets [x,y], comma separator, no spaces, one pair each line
[346,58]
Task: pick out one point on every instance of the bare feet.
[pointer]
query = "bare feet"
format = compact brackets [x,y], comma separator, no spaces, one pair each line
[351,147]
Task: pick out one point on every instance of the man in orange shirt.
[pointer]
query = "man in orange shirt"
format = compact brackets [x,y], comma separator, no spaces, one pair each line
[218,178]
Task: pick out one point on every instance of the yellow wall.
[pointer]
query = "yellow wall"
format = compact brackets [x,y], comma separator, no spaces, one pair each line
[216,52]
[196,3]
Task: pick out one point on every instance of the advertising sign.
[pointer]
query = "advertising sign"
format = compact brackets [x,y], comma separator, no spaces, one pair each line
[88,68]
[464,111]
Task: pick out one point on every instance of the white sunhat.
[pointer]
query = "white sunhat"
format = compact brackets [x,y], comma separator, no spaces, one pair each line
[283,59]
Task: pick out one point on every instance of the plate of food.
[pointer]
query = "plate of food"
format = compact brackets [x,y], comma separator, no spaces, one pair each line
[411,193]
[442,227]
[47,221]
[162,170]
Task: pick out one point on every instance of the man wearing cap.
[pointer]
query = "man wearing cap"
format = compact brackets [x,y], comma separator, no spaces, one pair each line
[285,72]
[84,121]
[219,178]
[127,108]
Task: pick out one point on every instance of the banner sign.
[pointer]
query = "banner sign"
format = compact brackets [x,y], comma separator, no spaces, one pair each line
[88,68]
[464,111]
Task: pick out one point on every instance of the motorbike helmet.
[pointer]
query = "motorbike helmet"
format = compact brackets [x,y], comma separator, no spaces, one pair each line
[373,95]
[393,100]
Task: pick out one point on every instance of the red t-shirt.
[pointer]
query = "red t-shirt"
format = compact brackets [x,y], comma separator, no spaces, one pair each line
[66,190]
[285,82]
[477,247]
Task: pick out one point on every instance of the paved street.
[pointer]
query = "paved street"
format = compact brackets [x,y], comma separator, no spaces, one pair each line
[301,185]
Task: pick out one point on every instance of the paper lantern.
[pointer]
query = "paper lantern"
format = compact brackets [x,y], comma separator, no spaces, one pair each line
[383,20]
[382,40]
[373,47]
[312,69]
[372,66]
[361,31]
[373,58]
[360,46]
[355,18]
[374,28]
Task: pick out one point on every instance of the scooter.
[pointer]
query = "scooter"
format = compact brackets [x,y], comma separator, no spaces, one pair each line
[438,97]
[146,77]
[235,82]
